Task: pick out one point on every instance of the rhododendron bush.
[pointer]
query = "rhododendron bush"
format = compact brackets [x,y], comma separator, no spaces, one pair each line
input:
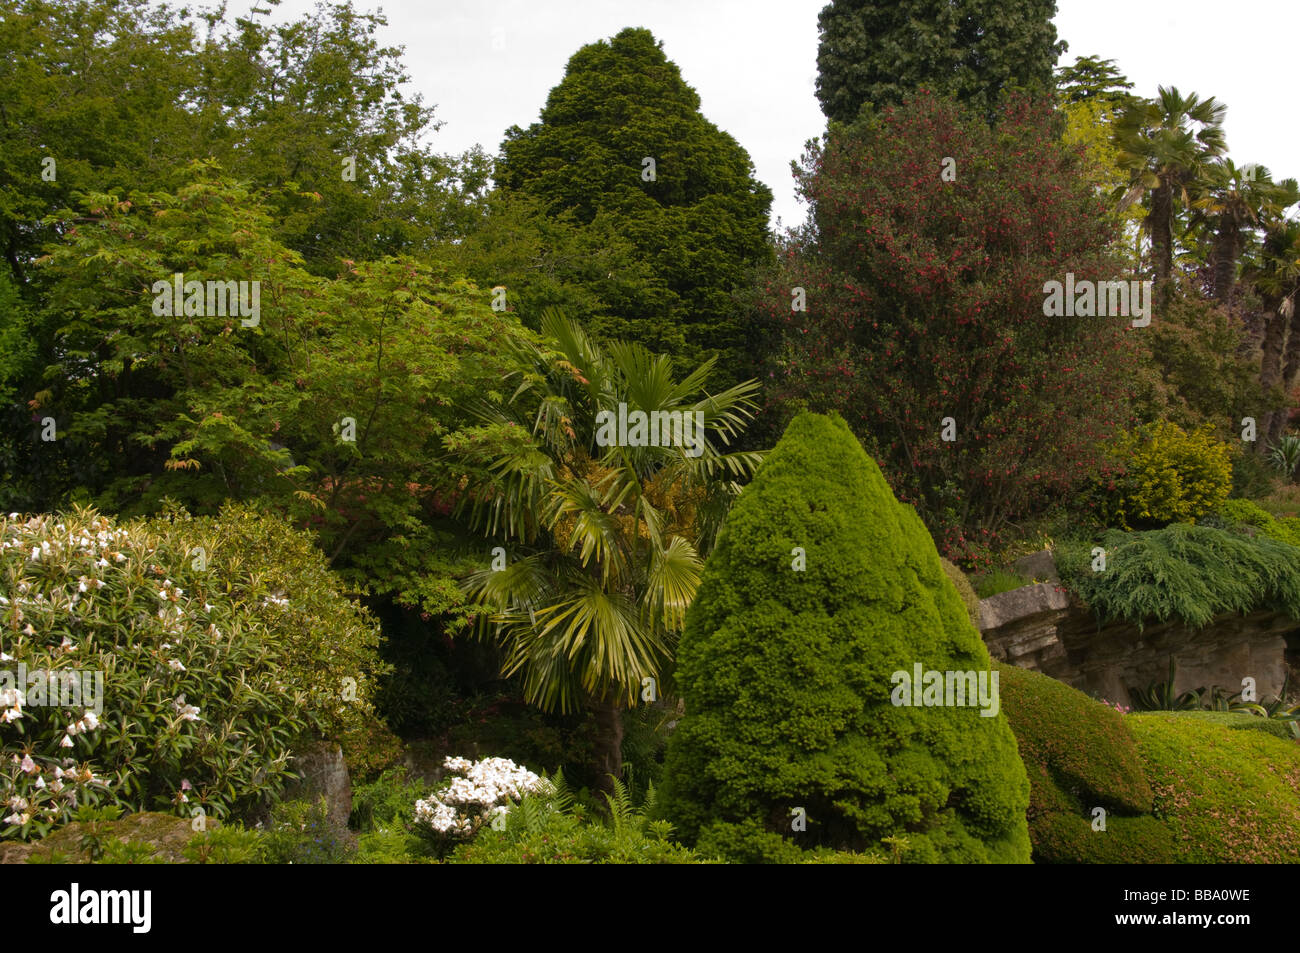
[168,664]
[474,795]
[923,300]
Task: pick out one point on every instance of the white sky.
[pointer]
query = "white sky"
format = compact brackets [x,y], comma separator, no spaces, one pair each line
[488,64]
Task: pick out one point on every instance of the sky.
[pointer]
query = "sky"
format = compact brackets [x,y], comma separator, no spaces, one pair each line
[489,64]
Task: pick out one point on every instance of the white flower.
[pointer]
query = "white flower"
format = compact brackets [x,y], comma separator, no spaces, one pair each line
[175,665]
[66,645]
[36,554]
[16,818]
[27,765]
[91,720]
[66,742]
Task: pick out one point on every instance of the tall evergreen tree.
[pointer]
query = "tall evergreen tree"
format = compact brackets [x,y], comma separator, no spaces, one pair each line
[622,139]
[875,51]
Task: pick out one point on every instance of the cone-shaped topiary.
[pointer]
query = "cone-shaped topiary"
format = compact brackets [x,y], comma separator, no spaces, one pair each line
[821,588]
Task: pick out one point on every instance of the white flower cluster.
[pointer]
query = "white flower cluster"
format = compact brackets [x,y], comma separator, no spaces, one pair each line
[481,792]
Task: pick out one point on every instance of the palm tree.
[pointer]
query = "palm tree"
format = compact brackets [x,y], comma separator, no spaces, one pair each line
[1276,279]
[1233,201]
[1166,156]
[609,539]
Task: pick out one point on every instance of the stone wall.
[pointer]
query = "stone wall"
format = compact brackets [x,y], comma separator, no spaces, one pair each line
[1042,627]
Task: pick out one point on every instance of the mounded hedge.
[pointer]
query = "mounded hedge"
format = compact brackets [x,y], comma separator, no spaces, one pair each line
[219,643]
[1227,797]
[1177,787]
[786,677]
[964,589]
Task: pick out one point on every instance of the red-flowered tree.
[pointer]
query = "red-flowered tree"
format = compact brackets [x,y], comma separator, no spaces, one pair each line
[922,269]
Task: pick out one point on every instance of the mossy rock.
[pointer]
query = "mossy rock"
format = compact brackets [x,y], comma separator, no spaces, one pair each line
[964,589]
[821,587]
[166,834]
[1227,796]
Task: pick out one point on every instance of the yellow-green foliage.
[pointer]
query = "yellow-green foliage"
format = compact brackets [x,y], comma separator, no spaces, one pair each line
[1170,475]
[964,589]
[821,587]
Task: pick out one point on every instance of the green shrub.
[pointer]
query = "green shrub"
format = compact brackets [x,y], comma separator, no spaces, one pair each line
[1251,477]
[1082,744]
[1169,475]
[549,831]
[786,676]
[1227,796]
[227,844]
[964,589]
[1192,573]
[388,801]
[300,832]
[1249,513]
[1080,756]
[218,643]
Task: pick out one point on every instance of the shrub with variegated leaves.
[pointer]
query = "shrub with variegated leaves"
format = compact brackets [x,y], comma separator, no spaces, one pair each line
[219,643]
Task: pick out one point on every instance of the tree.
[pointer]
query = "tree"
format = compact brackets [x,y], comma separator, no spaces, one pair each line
[1275,277]
[873,52]
[289,107]
[622,145]
[1232,201]
[1093,80]
[1167,144]
[924,299]
[330,404]
[605,537]
[821,590]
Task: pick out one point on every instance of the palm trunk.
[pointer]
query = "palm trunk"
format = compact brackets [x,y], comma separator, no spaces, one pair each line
[1290,367]
[607,752]
[1162,239]
[1226,245]
[1270,366]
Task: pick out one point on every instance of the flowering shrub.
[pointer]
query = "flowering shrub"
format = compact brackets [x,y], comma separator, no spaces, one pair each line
[192,673]
[476,794]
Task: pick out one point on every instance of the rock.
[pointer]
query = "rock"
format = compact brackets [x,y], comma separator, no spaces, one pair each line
[1018,605]
[166,833]
[325,773]
[1040,567]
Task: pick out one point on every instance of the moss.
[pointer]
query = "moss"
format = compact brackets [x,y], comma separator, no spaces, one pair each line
[1227,796]
[786,675]
[964,589]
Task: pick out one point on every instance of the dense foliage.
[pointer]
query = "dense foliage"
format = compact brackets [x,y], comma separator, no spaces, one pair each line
[215,645]
[1191,573]
[785,668]
[932,292]
[697,218]
[873,52]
